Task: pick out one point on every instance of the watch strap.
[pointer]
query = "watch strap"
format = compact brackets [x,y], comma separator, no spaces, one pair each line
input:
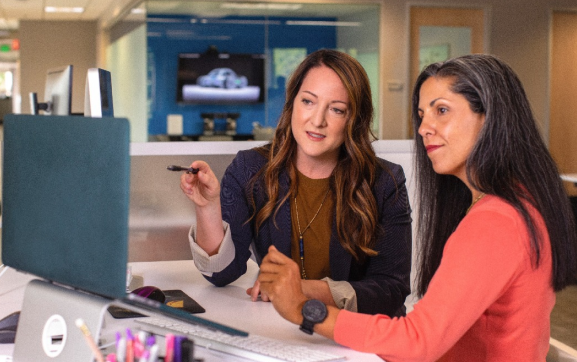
[307,326]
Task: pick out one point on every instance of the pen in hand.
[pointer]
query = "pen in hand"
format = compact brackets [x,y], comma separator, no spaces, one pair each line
[181,168]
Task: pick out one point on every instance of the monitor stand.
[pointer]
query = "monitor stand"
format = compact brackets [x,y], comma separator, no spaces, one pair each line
[36,106]
[47,328]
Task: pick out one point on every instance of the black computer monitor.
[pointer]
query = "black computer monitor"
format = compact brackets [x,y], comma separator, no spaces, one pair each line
[57,93]
[98,94]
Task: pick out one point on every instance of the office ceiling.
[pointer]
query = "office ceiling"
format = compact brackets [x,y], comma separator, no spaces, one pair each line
[11,11]
[246,8]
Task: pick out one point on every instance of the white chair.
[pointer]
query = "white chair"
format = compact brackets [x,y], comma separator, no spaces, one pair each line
[560,352]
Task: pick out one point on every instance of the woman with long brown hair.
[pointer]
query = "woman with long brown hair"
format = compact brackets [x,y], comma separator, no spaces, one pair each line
[317,192]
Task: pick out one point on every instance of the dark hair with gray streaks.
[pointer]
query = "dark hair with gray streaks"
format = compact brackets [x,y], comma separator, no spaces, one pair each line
[509,160]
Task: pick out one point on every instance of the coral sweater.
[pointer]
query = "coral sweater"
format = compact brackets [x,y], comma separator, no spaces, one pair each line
[486,302]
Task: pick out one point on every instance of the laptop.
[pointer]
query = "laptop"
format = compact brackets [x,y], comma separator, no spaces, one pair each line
[65,193]
[65,196]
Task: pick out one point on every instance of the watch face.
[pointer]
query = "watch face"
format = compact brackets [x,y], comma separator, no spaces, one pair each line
[315,311]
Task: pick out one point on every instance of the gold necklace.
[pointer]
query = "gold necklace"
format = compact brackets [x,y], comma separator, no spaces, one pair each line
[474,202]
[301,233]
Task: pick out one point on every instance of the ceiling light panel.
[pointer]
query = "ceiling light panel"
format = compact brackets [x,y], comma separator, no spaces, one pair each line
[260,6]
[65,10]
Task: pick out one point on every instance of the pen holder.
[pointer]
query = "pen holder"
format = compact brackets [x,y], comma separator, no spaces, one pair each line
[143,346]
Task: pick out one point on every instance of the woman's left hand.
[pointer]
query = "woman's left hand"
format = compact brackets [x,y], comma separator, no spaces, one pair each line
[255,291]
[280,280]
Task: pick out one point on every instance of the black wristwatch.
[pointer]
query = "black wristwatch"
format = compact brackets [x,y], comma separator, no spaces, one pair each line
[314,311]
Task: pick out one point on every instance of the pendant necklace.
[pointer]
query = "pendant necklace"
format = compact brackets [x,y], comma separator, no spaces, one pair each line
[474,202]
[301,233]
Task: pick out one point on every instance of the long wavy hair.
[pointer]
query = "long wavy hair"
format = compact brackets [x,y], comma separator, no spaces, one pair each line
[509,160]
[354,175]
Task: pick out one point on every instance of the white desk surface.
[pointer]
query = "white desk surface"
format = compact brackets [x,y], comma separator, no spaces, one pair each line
[227,305]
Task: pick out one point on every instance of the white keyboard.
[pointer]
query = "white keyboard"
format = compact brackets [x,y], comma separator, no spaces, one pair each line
[253,347]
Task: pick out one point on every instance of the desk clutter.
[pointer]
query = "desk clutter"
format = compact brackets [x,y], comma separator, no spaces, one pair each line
[71,231]
[252,347]
[174,298]
[79,243]
[146,347]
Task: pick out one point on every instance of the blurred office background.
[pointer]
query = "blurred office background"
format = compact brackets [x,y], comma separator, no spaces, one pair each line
[139,41]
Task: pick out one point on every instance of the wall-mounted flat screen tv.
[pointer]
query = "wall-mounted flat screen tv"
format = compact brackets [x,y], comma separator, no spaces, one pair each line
[220,78]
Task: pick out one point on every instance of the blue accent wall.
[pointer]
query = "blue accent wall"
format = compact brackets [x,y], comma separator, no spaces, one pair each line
[167,36]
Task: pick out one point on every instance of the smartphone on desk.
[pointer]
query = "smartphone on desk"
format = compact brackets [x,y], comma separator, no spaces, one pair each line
[178,299]
[174,298]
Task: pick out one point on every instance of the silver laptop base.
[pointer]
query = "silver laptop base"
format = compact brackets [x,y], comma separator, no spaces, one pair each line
[47,328]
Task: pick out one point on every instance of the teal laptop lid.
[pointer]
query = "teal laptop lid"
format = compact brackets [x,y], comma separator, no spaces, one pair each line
[65,198]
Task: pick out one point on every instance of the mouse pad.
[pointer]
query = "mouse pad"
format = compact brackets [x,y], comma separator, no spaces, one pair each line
[174,298]
[180,300]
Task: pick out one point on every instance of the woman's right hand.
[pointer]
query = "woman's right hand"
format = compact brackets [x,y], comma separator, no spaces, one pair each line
[201,188]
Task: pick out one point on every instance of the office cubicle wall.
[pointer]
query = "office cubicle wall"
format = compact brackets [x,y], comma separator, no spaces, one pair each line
[160,214]
[401,152]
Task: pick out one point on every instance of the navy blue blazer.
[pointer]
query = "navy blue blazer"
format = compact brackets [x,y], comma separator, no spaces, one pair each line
[381,282]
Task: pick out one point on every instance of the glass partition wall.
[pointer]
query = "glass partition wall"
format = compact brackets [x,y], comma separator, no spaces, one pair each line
[217,70]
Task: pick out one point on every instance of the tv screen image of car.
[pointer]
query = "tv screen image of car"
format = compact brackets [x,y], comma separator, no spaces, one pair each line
[220,78]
